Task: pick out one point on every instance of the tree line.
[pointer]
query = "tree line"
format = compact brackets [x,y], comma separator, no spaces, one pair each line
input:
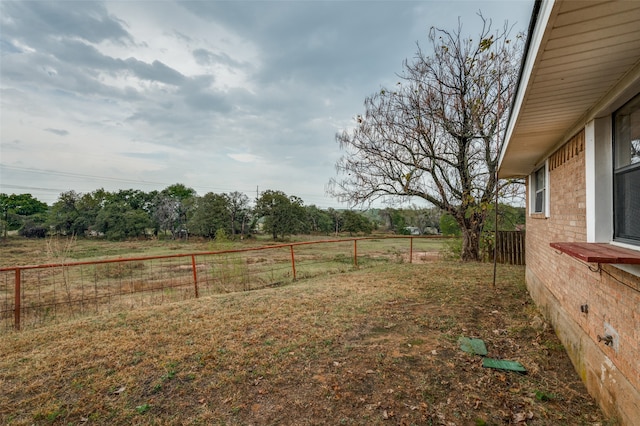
[178,211]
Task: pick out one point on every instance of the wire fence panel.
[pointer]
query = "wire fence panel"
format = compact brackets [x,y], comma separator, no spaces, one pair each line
[7,286]
[33,296]
[313,260]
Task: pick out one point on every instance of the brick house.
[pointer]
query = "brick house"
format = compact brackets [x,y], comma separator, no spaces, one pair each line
[574,133]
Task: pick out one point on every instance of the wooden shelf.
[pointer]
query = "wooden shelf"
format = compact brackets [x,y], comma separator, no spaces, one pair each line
[599,252]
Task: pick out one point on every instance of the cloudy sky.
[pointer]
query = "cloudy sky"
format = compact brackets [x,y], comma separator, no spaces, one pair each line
[219,95]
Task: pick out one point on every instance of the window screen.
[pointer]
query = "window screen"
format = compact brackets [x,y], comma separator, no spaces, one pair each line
[539,188]
[626,195]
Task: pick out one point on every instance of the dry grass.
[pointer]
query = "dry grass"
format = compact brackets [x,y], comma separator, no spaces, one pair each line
[60,293]
[377,346]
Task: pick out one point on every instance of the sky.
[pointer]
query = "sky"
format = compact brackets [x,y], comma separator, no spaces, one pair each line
[220,96]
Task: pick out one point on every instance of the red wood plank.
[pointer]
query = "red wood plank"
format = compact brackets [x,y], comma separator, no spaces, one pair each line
[599,252]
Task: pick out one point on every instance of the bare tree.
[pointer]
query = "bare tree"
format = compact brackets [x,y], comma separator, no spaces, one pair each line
[436,135]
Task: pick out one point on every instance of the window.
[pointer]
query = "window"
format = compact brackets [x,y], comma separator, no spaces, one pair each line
[538,190]
[626,172]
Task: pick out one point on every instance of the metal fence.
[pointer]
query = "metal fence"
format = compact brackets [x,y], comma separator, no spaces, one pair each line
[32,296]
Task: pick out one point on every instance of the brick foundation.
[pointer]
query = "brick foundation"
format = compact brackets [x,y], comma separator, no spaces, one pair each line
[560,285]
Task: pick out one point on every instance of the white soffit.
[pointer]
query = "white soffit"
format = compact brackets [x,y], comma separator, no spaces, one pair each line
[579,51]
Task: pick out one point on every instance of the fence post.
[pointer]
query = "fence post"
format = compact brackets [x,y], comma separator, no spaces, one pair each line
[410,249]
[293,262]
[16,304]
[355,253]
[195,274]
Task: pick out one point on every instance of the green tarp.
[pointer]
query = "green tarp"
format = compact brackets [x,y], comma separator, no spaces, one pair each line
[473,346]
[477,347]
[501,364]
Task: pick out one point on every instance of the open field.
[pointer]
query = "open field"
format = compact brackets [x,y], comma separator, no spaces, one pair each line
[374,346]
[18,251]
[77,278]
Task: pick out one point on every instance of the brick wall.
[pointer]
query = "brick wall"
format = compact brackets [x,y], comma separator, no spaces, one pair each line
[560,285]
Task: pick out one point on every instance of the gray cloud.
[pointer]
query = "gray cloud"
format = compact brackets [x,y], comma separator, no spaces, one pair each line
[87,20]
[206,57]
[183,88]
[59,132]
[156,71]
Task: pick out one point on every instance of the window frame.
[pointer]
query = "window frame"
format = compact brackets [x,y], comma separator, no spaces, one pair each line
[619,170]
[543,209]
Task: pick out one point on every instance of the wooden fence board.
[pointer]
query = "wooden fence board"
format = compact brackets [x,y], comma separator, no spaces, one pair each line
[510,247]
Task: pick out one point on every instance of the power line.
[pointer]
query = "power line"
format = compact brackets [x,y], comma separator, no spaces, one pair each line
[35,188]
[79,175]
[94,177]
[311,198]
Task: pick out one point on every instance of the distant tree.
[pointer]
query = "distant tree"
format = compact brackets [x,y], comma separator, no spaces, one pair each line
[173,207]
[336,220]
[167,214]
[283,215]
[436,134]
[65,216]
[170,208]
[449,226]
[88,207]
[124,214]
[239,211]
[353,223]
[74,213]
[509,218]
[431,217]
[398,221]
[16,209]
[20,210]
[179,191]
[417,217]
[319,220]
[118,221]
[23,204]
[374,217]
[211,214]
[135,199]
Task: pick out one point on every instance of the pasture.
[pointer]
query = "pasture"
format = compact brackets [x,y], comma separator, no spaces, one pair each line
[86,277]
[375,345]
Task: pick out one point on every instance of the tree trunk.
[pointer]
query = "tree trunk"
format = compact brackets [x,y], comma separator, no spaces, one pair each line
[470,244]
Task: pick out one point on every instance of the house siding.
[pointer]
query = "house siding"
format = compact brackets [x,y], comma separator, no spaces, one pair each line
[560,285]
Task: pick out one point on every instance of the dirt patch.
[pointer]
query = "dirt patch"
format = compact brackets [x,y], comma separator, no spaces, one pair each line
[377,346]
[424,257]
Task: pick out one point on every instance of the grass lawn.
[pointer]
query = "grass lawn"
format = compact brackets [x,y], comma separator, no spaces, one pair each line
[375,346]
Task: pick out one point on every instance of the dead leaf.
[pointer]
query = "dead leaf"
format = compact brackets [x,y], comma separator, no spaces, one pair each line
[522,417]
